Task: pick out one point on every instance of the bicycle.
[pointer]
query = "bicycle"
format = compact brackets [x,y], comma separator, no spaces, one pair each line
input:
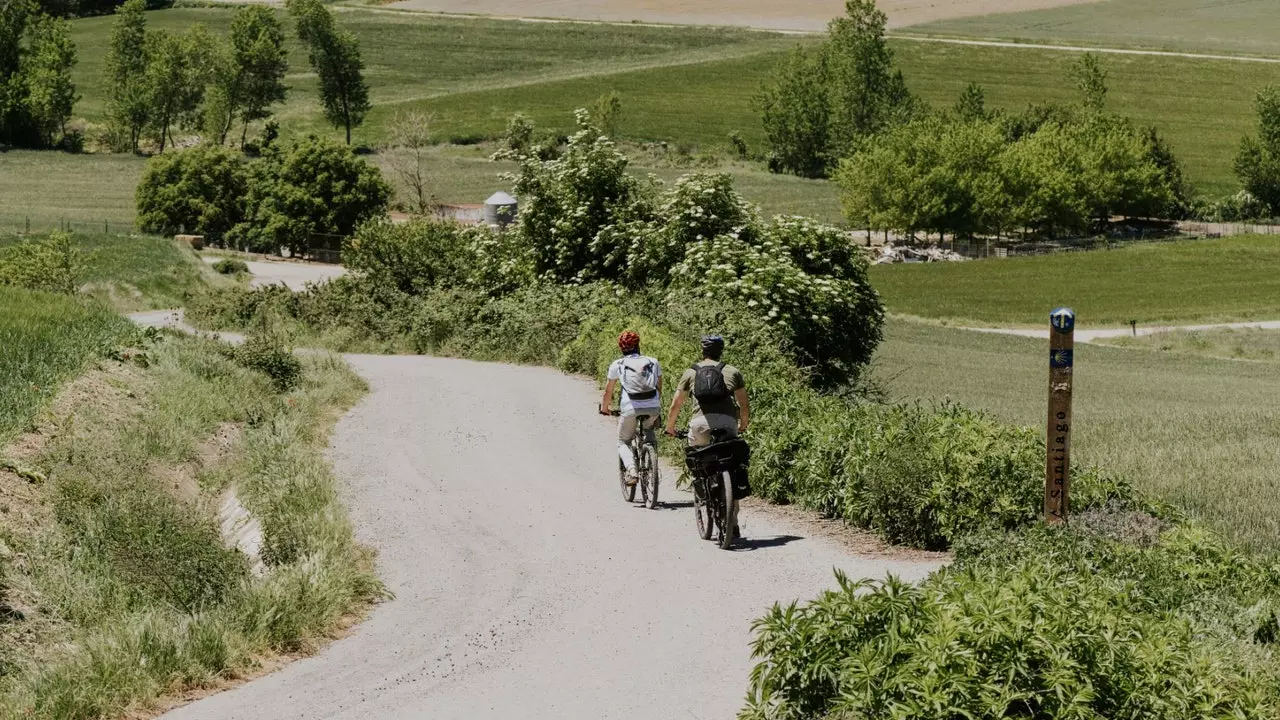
[645,455]
[711,468]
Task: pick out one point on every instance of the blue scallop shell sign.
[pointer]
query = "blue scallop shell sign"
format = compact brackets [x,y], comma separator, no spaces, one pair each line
[1063,320]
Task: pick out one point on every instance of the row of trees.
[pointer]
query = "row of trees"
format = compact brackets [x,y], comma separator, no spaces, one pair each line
[1050,169]
[157,81]
[36,59]
[1258,162]
[292,193]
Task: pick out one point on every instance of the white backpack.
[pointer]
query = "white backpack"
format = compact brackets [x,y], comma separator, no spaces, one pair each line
[640,377]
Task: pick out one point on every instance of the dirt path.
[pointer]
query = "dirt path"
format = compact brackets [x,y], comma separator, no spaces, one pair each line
[525,587]
[294,275]
[1105,333]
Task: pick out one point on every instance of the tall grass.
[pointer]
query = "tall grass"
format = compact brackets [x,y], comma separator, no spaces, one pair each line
[44,340]
[136,595]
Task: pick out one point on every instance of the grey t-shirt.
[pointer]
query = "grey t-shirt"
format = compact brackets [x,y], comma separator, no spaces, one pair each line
[732,381]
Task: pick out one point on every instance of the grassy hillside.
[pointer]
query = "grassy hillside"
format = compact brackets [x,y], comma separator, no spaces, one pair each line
[1184,282]
[1250,27]
[695,85]
[1200,432]
[44,190]
[44,340]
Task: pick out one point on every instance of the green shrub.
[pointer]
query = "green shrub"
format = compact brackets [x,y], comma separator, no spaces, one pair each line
[267,354]
[411,257]
[229,266]
[313,186]
[1029,639]
[51,264]
[199,191]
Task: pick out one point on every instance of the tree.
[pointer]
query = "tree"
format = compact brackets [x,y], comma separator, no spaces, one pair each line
[199,191]
[820,105]
[410,138]
[36,59]
[795,112]
[177,73]
[1258,162]
[128,92]
[258,63]
[608,113]
[972,104]
[51,93]
[334,54]
[310,187]
[867,94]
[1091,81]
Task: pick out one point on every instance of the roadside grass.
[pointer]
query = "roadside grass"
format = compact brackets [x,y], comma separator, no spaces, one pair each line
[1180,282]
[1200,433]
[138,272]
[129,594]
[46,339]
[1246,27]
[1231,343]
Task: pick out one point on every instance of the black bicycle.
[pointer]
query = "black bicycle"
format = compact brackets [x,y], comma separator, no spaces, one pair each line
[712,469]
[645,456]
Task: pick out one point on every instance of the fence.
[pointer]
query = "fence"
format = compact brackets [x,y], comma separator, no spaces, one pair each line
[28,224]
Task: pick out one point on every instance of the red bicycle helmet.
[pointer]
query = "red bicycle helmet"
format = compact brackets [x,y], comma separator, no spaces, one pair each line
[629,341]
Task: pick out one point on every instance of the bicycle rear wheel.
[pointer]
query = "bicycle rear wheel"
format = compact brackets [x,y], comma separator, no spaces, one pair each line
[628,491]
[729,519]
[649,476]
[702,509]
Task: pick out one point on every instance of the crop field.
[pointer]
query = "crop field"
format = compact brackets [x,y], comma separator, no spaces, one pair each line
[1199,432]
[694,86]
[1184,282]
[45,190]
[1245,27]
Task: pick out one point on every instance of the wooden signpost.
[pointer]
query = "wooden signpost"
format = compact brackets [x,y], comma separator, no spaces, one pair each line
[1057,465]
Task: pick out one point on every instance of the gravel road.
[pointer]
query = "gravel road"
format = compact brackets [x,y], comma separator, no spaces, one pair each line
[1108,333]
[525,587]
[294,275]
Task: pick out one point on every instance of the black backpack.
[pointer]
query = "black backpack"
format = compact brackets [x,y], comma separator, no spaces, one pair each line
[708,384]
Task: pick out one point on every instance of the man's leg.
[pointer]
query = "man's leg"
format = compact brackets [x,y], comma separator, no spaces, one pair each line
[649,424]
[699,431]
[626,431]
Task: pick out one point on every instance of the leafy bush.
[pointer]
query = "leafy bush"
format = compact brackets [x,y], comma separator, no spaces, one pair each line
[267,354]
[198,191]
[411,257]
[1027,639]
[313,186]
[52,264]
[230,266]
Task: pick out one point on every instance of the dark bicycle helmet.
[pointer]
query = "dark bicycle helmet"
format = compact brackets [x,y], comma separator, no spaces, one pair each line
[712,346]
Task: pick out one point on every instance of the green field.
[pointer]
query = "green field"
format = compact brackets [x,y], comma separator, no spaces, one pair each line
[1250,27]
[1198,432]
[44,340]
[1182,282]
[695,85]
[1251,344]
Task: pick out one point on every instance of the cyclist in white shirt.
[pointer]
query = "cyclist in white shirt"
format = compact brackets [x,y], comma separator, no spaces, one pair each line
[641,404]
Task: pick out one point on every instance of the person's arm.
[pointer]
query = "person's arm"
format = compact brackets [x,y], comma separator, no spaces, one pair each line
[673,414]
[607,399]
[744,409]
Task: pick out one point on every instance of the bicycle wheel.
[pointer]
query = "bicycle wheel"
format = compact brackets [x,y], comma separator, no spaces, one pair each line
[649,476]
[702,510]
[729,520]
[628,491]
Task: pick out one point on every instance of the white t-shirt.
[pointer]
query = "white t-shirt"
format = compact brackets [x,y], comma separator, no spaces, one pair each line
[629,406]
